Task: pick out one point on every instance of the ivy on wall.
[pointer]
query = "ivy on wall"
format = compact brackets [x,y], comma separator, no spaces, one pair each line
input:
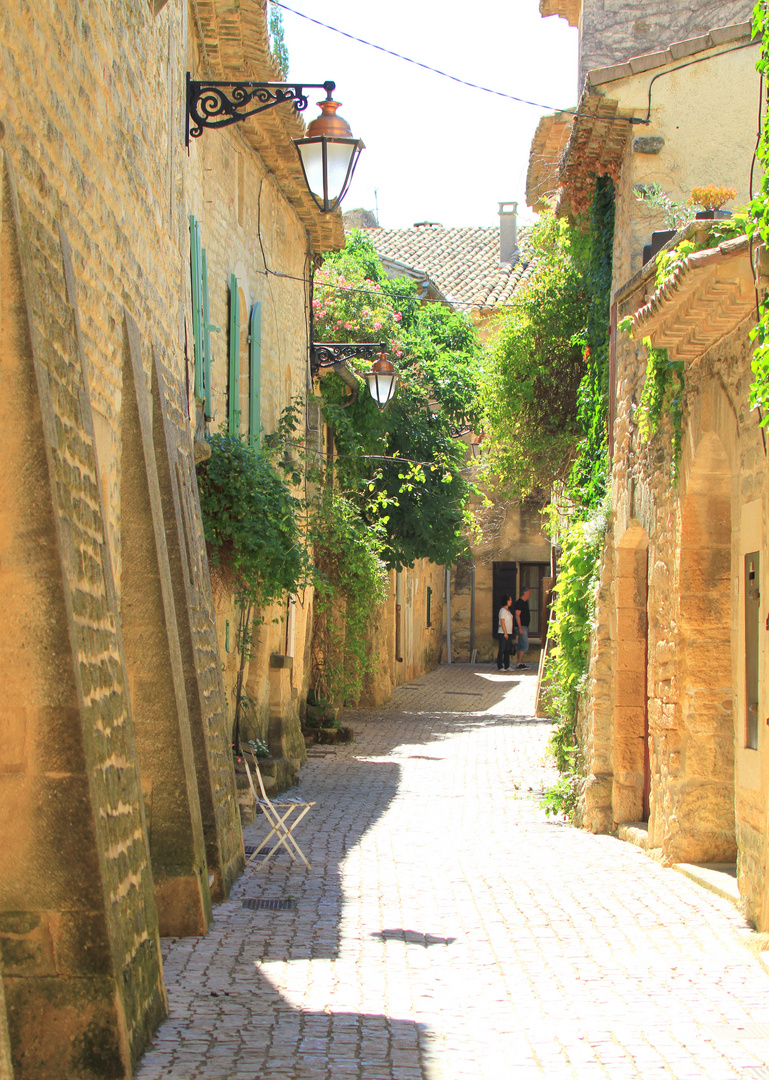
[662,394]
[590,472]
[759,226]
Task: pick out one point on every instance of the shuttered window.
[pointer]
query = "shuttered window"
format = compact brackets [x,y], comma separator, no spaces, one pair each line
[233,393]
[255,374]
[201,323]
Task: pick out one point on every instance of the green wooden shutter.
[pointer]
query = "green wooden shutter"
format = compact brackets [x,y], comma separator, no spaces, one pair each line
[206,338]
[255,375]
[233,411]
[196,273]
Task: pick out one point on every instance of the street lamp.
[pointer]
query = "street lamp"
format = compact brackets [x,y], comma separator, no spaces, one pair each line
[333,356]
[382,381]
[329,153]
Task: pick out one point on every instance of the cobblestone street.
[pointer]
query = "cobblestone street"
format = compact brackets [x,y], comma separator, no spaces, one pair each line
[449,930]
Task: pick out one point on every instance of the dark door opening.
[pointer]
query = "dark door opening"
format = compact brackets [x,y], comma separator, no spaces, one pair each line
[504,577]
[531,578]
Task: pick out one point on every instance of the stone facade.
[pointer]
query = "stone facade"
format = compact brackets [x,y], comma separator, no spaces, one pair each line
[117,794]
[611,31]
[672,726]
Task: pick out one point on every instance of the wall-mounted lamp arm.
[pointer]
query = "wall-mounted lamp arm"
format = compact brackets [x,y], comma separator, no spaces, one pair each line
[212,104]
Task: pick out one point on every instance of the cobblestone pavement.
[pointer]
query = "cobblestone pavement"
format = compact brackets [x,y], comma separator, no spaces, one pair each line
[449,930]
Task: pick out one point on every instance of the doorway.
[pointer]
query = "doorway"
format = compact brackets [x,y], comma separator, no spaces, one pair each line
[532,575]
[504,578]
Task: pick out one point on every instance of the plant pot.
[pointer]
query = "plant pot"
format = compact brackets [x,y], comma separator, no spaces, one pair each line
[659,239]
[712,215]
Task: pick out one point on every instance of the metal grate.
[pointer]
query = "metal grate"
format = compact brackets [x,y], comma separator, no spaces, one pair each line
[261,904]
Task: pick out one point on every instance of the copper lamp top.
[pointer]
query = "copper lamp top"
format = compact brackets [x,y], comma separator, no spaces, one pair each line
[328,123]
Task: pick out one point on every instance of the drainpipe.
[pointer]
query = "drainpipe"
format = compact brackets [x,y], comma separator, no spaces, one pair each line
[398,600]
[472,614]
[448,615]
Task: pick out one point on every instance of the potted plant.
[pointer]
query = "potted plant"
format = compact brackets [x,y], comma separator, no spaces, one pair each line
[710,199]
[675,216]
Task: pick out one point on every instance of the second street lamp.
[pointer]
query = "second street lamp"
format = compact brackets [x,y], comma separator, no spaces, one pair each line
[382,381]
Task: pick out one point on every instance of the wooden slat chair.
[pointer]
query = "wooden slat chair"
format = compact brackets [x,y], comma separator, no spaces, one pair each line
[283,817]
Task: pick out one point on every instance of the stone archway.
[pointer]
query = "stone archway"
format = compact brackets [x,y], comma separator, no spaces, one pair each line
[630,742]
[700,825]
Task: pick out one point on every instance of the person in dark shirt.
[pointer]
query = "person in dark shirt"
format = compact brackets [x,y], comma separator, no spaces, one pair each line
[522,619]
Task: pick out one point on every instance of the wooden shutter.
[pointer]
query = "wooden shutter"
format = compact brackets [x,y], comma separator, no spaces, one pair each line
[233,396]
[255,374]
[206,338]
[196,273]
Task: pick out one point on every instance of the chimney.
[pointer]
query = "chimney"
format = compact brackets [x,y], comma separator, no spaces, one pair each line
[508,231]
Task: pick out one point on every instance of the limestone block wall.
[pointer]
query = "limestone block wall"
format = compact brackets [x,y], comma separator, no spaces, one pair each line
[99,474]
[612,31]
[416,647]
[672,617]
[249,229]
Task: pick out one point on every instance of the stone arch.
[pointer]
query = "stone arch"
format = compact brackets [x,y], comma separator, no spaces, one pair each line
[630,731]
[700,825]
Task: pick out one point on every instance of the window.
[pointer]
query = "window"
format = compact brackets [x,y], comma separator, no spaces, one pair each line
[201,323]
[752,635]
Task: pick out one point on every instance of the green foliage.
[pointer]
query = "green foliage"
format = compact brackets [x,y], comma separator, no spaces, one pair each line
[572,617]
[663,392]
[676,214]
[401,467]
[530,385]
[278,49]
[589,475]
[252,523]
[713,233]
[759,226]
[352,582]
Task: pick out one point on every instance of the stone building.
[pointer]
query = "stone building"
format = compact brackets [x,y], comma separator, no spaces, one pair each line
[477,270]
[120,256]
[612,31]
[672,728]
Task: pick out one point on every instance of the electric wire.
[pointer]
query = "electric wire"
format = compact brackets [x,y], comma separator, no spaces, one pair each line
[448,75]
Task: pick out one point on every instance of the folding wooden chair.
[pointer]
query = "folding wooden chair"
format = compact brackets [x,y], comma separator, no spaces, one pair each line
[283,817]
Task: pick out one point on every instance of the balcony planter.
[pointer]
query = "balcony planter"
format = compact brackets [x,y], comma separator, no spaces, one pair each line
[659,239]
[711,215]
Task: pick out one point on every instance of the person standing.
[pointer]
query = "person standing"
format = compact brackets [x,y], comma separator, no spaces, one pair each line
[505,633]
[522,620]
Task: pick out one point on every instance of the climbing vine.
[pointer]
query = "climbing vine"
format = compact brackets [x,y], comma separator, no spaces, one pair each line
[574,609]
[352,582]
[759,226]
[662,394]
[252,522]
[589,474]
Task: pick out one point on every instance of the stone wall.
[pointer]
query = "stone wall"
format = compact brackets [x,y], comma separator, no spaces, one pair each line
[612,31]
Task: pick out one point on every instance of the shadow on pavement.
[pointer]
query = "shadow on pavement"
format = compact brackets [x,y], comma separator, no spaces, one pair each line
[227,1019]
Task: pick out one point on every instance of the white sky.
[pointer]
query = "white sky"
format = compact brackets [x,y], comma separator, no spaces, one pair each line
[437,151]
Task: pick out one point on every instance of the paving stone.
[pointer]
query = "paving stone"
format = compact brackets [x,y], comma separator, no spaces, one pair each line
[448,929]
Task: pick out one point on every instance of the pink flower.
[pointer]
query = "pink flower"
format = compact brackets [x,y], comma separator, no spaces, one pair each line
[348,326]
[397,316]
[377,326]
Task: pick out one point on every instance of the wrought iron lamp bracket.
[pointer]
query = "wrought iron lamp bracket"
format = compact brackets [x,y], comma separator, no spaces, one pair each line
[333,355]
[218,104]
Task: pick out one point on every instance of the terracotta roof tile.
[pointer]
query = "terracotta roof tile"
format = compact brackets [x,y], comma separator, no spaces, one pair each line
[462,262]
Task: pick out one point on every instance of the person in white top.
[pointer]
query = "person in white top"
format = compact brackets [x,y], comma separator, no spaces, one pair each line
[505,633]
